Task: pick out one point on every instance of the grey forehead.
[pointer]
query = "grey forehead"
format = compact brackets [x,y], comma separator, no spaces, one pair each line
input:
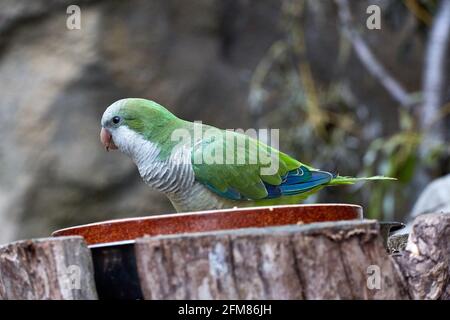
[112,110]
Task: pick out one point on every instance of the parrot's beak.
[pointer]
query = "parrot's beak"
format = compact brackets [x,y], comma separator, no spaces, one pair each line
[107,140]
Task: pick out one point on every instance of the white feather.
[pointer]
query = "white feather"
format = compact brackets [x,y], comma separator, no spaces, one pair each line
[171,175]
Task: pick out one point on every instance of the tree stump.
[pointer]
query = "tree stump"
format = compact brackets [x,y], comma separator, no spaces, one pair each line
[425,263]
[340,260]
[47,268]
[332,260]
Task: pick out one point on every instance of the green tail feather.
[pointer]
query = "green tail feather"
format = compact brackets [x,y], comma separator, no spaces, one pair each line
[350,180]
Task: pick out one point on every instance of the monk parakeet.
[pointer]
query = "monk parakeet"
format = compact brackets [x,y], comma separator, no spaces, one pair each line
[199,167]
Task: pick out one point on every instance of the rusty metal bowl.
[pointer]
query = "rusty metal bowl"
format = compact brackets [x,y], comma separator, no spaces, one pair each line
[132,228]
[112,242]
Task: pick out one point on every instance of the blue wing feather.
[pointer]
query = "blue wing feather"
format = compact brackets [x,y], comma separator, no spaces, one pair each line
[299,175]
[294,182]
[299,181]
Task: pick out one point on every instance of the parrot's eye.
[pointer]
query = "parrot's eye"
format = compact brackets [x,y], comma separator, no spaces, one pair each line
[116,119]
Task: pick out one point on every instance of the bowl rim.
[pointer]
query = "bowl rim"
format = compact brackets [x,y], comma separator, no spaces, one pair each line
[205,212]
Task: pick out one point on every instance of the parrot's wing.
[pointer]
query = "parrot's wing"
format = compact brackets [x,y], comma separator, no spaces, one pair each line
[238,167]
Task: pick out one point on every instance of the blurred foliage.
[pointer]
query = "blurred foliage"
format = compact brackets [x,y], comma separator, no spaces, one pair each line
[323,123]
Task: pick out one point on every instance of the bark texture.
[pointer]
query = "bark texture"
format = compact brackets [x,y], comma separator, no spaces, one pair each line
[47,269]
[425,262]
[317,261]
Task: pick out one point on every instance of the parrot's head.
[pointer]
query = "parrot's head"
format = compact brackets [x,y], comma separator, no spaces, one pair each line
[128,121]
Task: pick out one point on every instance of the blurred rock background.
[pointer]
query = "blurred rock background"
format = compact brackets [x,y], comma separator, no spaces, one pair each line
[230,63]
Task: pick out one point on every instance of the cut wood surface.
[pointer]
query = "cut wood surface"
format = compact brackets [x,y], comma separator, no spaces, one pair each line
[340,260]
[425,263]
[47,268]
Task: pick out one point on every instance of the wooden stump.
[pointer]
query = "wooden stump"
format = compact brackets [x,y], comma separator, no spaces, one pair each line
[425,263]
[341,260]
[47,268]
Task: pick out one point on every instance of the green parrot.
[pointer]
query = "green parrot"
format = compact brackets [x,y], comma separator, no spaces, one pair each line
[199,167]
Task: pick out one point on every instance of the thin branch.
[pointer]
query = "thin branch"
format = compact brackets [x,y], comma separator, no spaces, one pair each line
[435,69]
[418,11]
[375,68]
